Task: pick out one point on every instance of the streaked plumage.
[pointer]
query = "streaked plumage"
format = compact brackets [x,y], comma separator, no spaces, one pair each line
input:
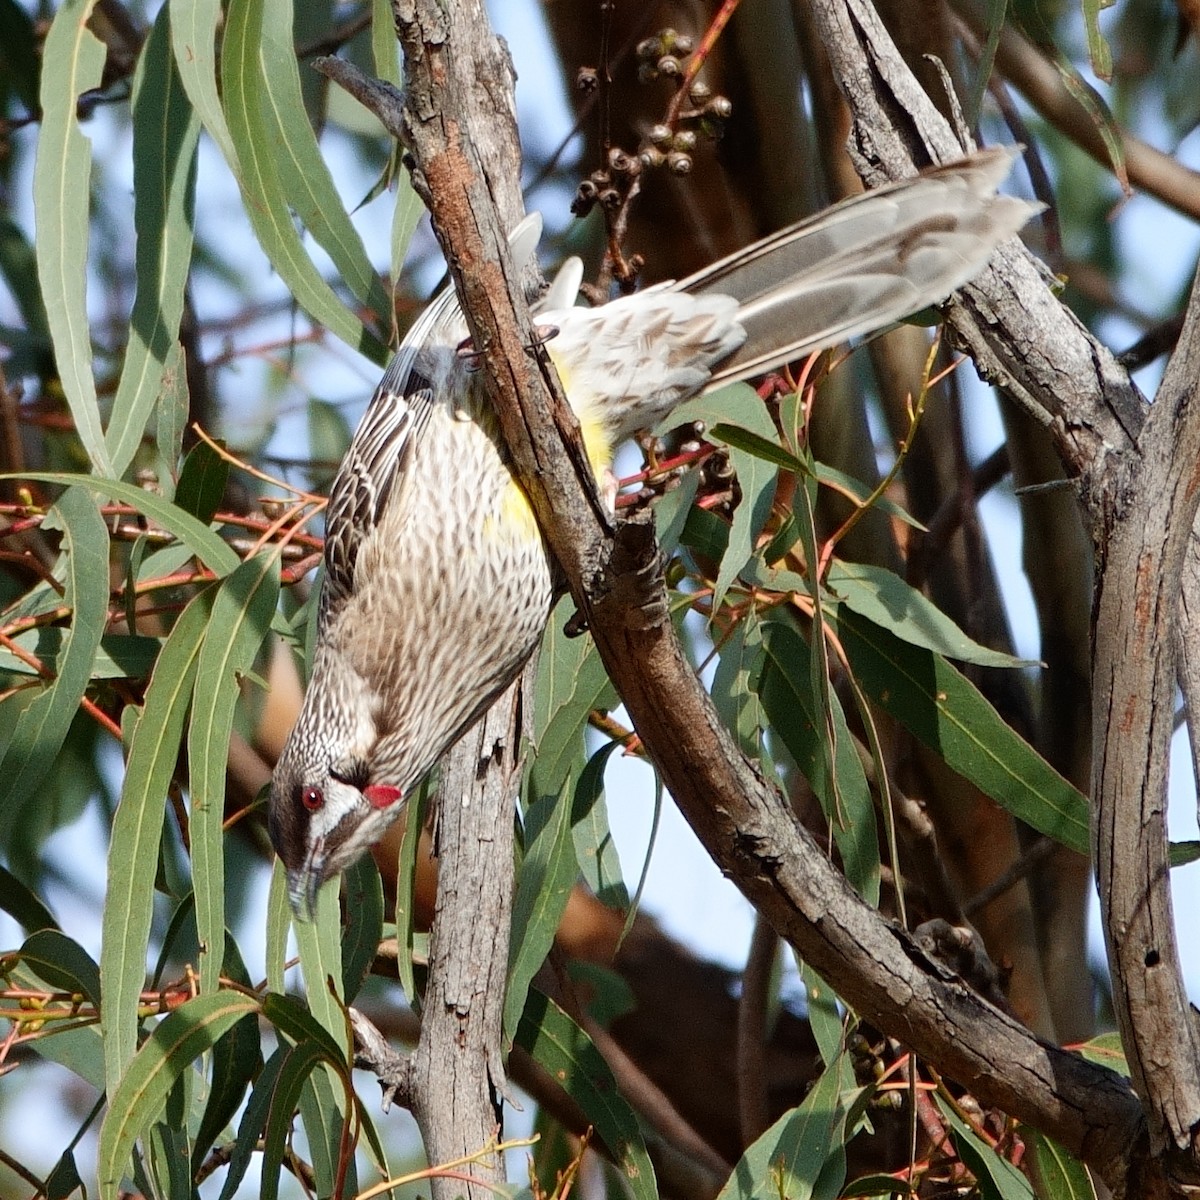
[437,584]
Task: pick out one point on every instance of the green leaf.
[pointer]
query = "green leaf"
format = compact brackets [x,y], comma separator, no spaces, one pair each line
[1098,48]
[1182,853]
[567,1053]
[823,1016]
[254,1120]
[785,688]
[877,1185]
[950,715]
[202,481]
[23,904]
[296,1069]
[595,850]
[63,963]
[740,414]
[1106,1049]
[42,726]
[1057,1175]
[738,406]
[883,597]
[305,177]
[252,129]
[193,39]
[172,417]
[998,1179]
[141,1095]
[671,511]
[735,687]
[72,63]
[241,619]
[384,49]
[137,831]
[320,945]
[547,873]
[788,1159]
[202,541]
[364,924]
[236,1059]
[298,1024]
[406,883]
[119,655]
[571,682]
[165,133]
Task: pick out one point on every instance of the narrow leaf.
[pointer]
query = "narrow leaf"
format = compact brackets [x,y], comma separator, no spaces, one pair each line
[202,482]
[23,904]
[137,831]
[595,850]
[543,885]
[882,596]
[63,963]
[788,1159]
[193,40]
[72,62]
[165,132]
[304,174]
[141,1095]
[202,541]
[40,730]
[1057,1174]
[364,924]
[785,688]
[998,1179]
[568,1054]
[571,682]
[406,887]
[254,1120]
[950,715]
[241,618]
[266,199]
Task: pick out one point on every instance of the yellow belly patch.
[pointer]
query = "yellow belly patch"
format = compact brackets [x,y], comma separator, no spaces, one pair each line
[515,516]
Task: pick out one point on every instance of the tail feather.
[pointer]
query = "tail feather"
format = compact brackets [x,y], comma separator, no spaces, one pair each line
[864,263]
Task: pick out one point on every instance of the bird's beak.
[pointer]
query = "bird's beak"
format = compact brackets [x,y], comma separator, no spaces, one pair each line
[303,884]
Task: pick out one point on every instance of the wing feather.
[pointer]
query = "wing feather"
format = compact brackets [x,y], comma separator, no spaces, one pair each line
[372,470]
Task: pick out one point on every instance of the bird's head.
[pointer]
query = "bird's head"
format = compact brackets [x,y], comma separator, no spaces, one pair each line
[323,816]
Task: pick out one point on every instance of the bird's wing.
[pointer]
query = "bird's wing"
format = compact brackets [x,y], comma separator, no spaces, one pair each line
[375,461]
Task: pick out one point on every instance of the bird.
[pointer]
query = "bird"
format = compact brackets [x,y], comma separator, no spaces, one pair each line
[437,583]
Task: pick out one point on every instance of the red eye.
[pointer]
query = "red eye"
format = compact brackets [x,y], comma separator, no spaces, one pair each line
[312,798]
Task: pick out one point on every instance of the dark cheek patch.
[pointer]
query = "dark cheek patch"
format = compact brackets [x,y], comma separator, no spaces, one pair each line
[382,795]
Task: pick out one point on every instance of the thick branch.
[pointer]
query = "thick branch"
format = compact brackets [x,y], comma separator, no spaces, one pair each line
[1141,568]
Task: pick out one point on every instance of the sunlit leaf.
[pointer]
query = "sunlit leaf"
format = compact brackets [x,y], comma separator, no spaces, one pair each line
[950,715]
[137,830]
[72,62]
[568,1054]
[787,1160]
[241,617]
[141,1095]
[165,133]
[547,872]
[882,596]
